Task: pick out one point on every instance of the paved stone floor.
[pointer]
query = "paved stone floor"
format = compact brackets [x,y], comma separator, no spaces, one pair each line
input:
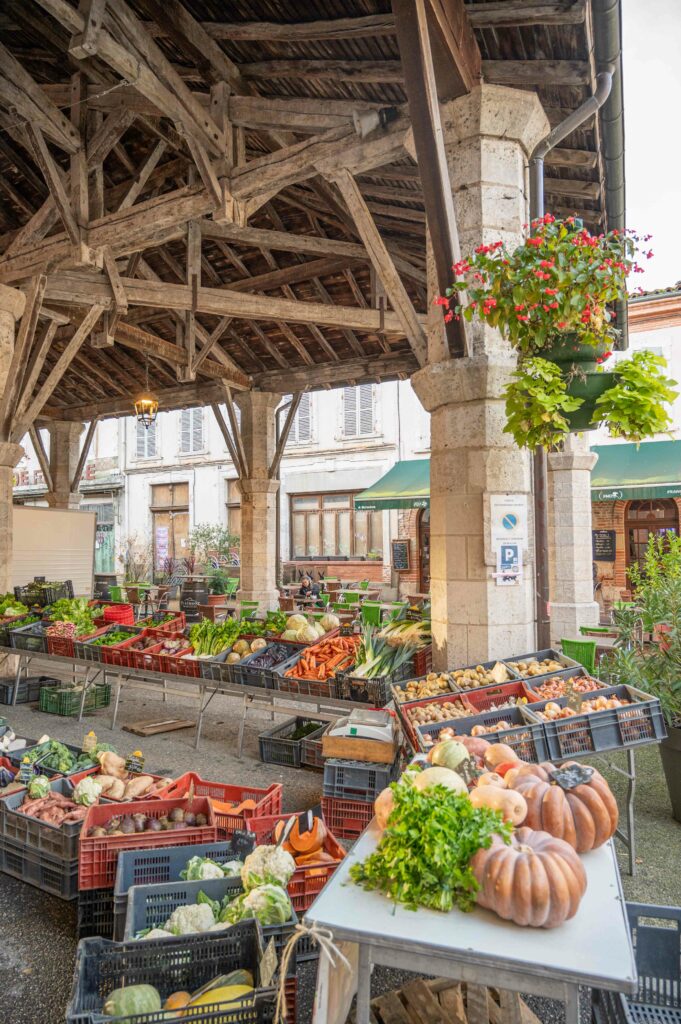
[37,932]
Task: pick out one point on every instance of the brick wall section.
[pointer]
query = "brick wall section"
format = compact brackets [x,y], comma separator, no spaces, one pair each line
[609,515]
[408,527]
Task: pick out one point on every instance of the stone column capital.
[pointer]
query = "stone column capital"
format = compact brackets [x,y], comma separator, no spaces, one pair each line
[497,111]
[12,301]
[251,486]
[10,454]
[264,402]
[567,462]
[67,430]
[456,381]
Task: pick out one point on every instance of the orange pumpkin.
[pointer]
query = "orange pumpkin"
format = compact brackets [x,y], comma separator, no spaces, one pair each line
[303,842]
[538,880]
[585,816]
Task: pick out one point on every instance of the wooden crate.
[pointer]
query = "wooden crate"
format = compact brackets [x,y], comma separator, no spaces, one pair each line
[441,1001]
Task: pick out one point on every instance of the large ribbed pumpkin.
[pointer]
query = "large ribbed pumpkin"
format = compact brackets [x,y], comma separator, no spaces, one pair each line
[538,880]
[585,816]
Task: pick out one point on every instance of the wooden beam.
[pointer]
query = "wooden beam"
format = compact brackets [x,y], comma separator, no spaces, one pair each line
[35,363]
[120,299]
[298,114]
[107,135]
[313,378]
[182,396]
[80,466]
[22,347]
[19,90]
[143,175]
[571,187]
[584,159]
[414,39]
[455,53]
[211,343]
[544,73]
[292,275]
[193,279]
[367,27]
[231,448]
[369,71]
[57,372]
[84,44]
[52,175]
[285,431]
[519,13]
[236,434]
[383,264]
[82,289]
[142,340]
[41,454]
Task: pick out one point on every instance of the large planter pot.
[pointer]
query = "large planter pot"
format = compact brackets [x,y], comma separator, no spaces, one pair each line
[566,349]
[670,751]
[214,599]
[589,387]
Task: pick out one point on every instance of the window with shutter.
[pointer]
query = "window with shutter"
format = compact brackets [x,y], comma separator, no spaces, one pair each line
[145,441]
[358,411]
[191,431]
[301,432]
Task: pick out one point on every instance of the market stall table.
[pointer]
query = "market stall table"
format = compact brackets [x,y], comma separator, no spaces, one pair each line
[594,948]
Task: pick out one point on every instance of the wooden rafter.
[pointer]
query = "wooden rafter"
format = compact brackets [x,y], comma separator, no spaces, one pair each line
[22,346]
[84,452]
[285,431]
[41,454]
[19,91]
[229,441]
[369,26]
[519,13]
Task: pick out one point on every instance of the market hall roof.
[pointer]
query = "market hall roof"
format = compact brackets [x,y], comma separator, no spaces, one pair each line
[171,109]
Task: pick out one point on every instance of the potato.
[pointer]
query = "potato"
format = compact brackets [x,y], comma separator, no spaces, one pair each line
[137,787]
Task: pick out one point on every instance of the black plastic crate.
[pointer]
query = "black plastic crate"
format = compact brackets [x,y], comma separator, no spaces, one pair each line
[150,906]
[277,747]
[251,672]
[311,755]
[375,692]
[17,756]
[613,728]
[358,780]
[184,963]
[29,638]
[89,651]
[29,689]
[656,937]
[41,596]
[526,736]
[549,652]
[51,874]
[36,836]
[153,867]
[16,620]
[95,913]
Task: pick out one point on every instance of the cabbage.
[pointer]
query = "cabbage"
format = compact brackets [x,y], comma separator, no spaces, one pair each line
[319,629]
[329,622]
[307,635]
[290,634]
[296,622]
[269,904]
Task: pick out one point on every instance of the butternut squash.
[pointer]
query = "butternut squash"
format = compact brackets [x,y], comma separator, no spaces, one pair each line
[512,805]
[491,779]
[497,753]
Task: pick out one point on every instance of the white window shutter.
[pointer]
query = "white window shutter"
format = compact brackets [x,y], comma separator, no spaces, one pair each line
[366,409]
[197,430]
[185,430]
[140,441]
[151,441]
[349,412]
[302,427]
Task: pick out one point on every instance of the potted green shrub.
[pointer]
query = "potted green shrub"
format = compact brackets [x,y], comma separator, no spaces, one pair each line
[550,298]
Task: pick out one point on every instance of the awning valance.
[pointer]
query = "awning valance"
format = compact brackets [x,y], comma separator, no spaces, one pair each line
[406,485]
[623,471]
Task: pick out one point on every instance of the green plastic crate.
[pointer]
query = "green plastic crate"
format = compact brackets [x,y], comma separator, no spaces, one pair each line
[67,702]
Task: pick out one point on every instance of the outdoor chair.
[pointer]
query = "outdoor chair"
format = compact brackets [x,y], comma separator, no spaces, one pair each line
[116,595]
[371,613]
[248,609]
[581,651]
[340,606]
[232,586]
[364,584]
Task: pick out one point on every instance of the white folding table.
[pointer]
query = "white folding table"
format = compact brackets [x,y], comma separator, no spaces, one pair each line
[594,948]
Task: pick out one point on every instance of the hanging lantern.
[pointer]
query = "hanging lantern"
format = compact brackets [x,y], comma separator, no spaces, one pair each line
[146,404]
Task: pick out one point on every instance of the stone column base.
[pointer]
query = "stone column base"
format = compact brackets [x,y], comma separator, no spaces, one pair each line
[268,599]
[567,618]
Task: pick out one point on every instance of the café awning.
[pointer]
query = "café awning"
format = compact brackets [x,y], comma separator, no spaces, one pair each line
[623,471]
[406,485]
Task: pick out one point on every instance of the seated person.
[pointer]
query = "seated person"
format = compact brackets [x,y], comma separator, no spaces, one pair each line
[308,588]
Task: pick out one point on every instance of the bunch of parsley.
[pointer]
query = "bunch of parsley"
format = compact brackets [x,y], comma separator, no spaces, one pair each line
[423,858]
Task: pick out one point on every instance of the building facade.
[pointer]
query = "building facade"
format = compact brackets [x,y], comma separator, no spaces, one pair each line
[151,487]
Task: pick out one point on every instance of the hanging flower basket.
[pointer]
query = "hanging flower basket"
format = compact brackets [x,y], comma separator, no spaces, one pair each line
[566,349]
[589,388]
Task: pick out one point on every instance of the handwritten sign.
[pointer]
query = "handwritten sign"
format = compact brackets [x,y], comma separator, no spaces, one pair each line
[401,555]
[604,545]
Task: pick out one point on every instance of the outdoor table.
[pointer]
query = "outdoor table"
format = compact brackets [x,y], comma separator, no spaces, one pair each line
[594,948]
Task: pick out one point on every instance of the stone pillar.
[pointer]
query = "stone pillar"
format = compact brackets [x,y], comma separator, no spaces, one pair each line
[64,454]
[12,303]
[572,596]
[258,499]
[488,137]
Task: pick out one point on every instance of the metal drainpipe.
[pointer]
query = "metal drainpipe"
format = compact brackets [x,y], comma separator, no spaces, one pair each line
[590,107]
[277,498]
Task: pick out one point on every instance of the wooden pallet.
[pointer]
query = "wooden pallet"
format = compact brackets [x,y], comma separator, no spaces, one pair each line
[153,727]
[441,1001]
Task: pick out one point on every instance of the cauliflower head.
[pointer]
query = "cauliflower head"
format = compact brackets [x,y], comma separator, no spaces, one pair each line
[268,903]
[267,864]
[198,917]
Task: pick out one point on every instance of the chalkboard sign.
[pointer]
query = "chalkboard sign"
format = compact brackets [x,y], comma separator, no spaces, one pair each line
[604,545]
[192,594]
[401,560]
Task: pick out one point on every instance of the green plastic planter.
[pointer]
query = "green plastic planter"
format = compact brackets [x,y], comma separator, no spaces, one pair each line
[565,349]
[590,389]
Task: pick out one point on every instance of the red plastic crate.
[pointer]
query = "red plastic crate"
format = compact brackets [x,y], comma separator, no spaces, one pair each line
[123,614]
[267,801]
[63,645]
[406,706]
[423,661]
[121,654]
[111,653]
[175,625]
[291,993]
[167,663]
[309,879]
[488,698]
[98,856]
[347,819]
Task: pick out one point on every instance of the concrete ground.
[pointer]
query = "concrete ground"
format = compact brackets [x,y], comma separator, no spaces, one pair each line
[37,938]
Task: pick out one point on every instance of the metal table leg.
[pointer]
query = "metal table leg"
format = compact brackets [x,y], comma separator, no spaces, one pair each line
[242,723]
[119,684]
[83,694]
[22,664]
[363,1011]
[572,1004]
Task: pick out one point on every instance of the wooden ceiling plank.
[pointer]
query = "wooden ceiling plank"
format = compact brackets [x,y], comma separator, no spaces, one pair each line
[455,53]
[368,71]
[307,378]
[365,27]
[520,13]
[571,187]
[20,89]
[584,159]
[544,73]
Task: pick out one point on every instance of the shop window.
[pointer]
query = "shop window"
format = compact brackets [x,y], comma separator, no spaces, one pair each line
[191,431]
[643,519]
[327,524]
[359,411]
[146,441]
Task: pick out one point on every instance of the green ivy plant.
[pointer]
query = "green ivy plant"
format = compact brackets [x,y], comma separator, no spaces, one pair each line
[537,400]
[637,406]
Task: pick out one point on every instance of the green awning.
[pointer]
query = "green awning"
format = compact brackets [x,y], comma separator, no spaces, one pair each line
[623,471]
[406,485]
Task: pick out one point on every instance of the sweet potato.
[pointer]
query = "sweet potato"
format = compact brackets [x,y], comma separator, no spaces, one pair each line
[137,787]
[112,764]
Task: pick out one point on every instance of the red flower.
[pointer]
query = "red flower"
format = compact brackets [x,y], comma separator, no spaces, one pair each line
[536,241]
[441,300]
[519,308]
[554,305]
[546,264]
[562,323]
[550,291]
